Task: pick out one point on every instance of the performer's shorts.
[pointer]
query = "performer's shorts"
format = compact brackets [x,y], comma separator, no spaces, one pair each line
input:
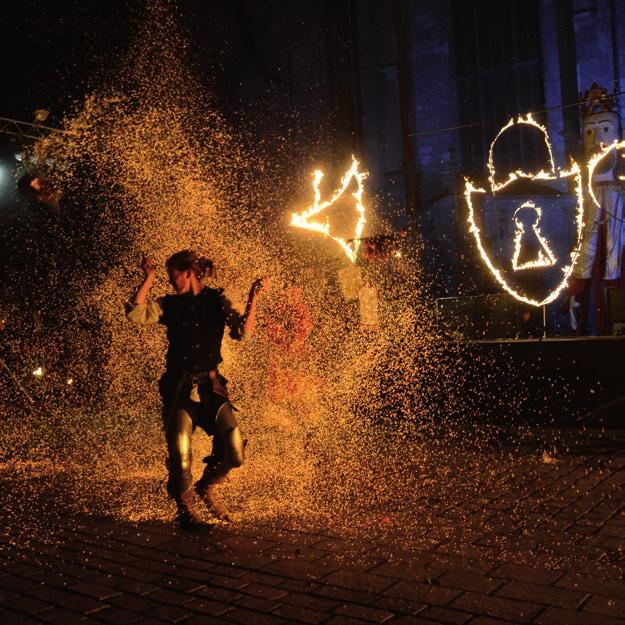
[203,413]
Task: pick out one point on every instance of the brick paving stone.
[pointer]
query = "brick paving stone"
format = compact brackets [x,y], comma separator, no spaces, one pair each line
[298,586]
[95,591]
[345,594]
[133,603]
[222,581]
[61,616]
[358,581]
[345,620]
[364,613]
[247,543]
[249,617]
[592,584]
[497,607]
[48,594]
[487,620]
[413,620]
[310,602]
[546,595]
[243,559]
[558,616]
[467,581]
[17,584]
[201,619]
[526,574]
[82,603]
[262,578]
[266,592]
[136,587]
[218,594]
[170,597]
[169,613]
[298,569]
[416,572]
[118,616]
[207,606]
[425,593]
[606,606]
[26,605]
[301,614]
[180,585]
[445,615]
[291,550]
[450,562]
[259,604]
[9,617]
[398,606]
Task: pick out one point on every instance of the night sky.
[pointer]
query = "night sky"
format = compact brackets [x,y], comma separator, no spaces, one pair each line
[56,52]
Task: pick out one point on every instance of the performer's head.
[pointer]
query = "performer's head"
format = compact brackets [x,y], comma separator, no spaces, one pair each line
[600,128]
[186,270]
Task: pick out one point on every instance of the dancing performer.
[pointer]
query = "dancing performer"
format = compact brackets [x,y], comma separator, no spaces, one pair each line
[193,391]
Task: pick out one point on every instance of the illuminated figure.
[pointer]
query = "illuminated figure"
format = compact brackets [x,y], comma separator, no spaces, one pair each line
[600,259]
[193,391]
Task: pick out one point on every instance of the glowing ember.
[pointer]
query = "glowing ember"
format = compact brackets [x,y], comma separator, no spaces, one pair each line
[302,220]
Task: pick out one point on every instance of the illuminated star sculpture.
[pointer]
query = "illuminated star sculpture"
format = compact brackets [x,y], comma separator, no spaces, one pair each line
[304,219]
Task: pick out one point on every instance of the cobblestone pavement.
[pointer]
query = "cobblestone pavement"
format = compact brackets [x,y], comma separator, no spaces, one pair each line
[563,566]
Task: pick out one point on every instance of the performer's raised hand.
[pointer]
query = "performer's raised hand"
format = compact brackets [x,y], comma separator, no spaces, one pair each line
[149,266]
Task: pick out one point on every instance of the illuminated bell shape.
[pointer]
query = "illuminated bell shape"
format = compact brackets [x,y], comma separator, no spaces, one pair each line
[507,273]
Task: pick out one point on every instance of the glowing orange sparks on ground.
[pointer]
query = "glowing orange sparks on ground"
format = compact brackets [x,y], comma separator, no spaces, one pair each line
[303,219]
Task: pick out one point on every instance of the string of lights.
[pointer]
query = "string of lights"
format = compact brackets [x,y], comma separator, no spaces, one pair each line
[548,109]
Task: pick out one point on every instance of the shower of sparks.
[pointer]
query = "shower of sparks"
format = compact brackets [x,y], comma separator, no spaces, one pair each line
[343,423]
[542,260]
[574,173]
[303,219]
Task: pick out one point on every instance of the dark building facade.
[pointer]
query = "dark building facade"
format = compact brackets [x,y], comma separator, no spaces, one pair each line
[418,89]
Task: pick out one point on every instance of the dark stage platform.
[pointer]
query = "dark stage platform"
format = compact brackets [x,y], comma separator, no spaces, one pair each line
[565,379]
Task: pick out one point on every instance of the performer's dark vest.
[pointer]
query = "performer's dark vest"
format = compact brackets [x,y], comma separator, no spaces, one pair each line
[195,328]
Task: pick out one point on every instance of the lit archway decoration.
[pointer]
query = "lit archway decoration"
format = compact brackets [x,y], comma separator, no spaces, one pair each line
[304,219]
[553,174]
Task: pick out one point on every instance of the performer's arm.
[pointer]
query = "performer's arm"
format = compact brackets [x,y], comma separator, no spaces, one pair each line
[242,326]
[249,316]
[139,310]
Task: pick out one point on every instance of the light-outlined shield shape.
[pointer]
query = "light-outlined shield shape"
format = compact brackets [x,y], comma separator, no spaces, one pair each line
[541,281]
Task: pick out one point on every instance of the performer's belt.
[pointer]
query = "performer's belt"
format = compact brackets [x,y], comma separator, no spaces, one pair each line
[199,377]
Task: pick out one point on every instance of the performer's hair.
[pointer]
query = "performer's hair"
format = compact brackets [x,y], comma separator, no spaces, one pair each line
[188,259]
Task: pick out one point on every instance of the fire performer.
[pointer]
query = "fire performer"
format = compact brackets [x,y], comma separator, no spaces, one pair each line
[193,391]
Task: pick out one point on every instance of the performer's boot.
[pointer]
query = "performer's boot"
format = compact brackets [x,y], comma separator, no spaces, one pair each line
[207,492]
[188,517]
